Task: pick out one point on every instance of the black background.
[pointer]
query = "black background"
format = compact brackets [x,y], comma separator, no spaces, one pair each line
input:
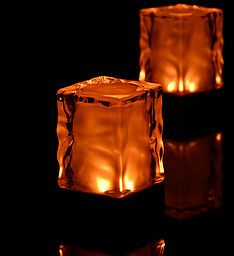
[85,40]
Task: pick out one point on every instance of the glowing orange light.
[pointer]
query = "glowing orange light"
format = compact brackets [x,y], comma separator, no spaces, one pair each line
[219,137]
[181,86]
[120,184]
[191,86]
[142,75]
[171,86]
[161,246]
[128,184]
[103,185]
[60,171]
[60,252]
[218,79]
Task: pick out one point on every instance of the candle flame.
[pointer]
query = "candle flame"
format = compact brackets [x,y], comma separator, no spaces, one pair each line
[120,185]
[128,184]
[218,79]
[102,184]
[142,75]
[60,171]
[191,86]
[161,167]
[171,86]
[181,86]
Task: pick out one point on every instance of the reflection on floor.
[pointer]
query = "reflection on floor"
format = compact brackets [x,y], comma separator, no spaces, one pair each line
[193,171]
[153,249]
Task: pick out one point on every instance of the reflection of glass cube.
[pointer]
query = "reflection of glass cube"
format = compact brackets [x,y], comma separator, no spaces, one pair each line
[181,47]
[110,136]
[153,249]
[193,170]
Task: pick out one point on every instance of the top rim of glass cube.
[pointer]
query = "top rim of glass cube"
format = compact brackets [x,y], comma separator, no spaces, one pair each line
[180,10]
[109,87]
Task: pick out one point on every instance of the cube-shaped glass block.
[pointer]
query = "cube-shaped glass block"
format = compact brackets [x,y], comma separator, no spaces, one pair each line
[193,170]
[110,136]
[181,47]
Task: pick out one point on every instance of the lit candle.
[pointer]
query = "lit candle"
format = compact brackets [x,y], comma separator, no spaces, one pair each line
[110,136]
[181,47]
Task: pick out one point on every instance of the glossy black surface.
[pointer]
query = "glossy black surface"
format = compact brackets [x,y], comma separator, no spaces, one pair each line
[102,39]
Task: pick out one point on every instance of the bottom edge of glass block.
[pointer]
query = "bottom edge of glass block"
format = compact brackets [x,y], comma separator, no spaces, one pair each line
[110,193]
[180,214]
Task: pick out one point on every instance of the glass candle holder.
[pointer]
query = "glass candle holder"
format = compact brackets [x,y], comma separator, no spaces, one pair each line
[193,170]
[181,48]
[110,136]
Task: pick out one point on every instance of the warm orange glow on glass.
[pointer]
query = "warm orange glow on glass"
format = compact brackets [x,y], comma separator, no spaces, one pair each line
[60,171]
[171,86]
[120,185]
[194,175]
[181,47]
[190,86]
[102,185]
[142,75]
[129,184]
[181,86]
[218,79]
[110,136]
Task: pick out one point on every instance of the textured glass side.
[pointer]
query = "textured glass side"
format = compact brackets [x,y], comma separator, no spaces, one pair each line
[181,48]
[110,136]
[193,170]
